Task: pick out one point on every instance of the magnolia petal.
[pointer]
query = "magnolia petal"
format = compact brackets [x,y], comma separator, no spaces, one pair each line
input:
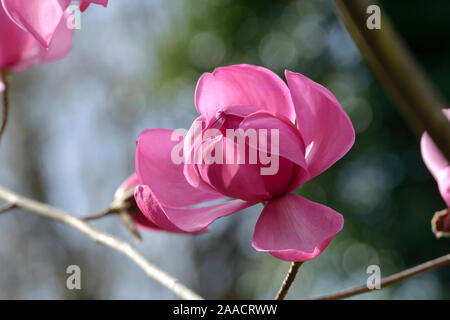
[2,84]
[39,18]
[192,220]
[144,223]
[131,182]
[293,228]
[153,210]
[156,169]
[31,52]
[84,4]
[61,43]
[437,164]
[290,142]
[238,179]
[242,85]
[326,129]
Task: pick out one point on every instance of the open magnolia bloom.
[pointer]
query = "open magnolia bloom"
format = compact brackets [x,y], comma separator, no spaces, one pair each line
[256,141]
[34,32]
[440,169]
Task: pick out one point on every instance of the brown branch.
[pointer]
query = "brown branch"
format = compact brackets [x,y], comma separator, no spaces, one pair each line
[101,237]
[290,277]
[122,208]
[108,211]
[395,278]
[395,67]
[5,109]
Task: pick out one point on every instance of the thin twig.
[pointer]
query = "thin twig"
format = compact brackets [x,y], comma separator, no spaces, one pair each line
[290,277]
[7,207]
[405,274]
[396,69]
[101,237]
[124,208]
[101,214]
[5,108]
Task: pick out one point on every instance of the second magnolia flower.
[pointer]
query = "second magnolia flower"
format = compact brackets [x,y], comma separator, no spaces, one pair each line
[34,32]
[314,132]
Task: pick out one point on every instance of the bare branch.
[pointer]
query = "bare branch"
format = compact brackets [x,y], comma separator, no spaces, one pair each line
[123,208]
[395,278]
[121,246]
[101,214]
[396,69]
[290,277]
[7,207]
[5,109]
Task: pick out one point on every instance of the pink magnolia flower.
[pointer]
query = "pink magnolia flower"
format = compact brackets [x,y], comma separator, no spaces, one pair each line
[34,32]
[313,130]
[440,169]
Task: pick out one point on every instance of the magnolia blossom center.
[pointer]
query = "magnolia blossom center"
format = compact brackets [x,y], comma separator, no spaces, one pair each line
[227,146]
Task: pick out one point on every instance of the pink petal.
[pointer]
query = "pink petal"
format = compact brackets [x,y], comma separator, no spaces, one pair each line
[155,168]
[243,179]
[2,84]
[190,169]
[84,4]
[122,192]
[131,182]
[23,50]
[242,85]
[326,129]
[290,141]
[61,43]
[64,3]
[295,229]
[144,223]
[192,220]
[235,180]
[39,18]
[13,40]
[437,163]
[153,211]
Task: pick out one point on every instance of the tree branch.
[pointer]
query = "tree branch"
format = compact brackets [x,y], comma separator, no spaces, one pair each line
[5,108]
[397,277]
[108,211]
[7,207]
[394,66]
[290,277]
[121,246]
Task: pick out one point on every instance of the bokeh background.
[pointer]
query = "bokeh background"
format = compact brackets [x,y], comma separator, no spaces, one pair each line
[73,125]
